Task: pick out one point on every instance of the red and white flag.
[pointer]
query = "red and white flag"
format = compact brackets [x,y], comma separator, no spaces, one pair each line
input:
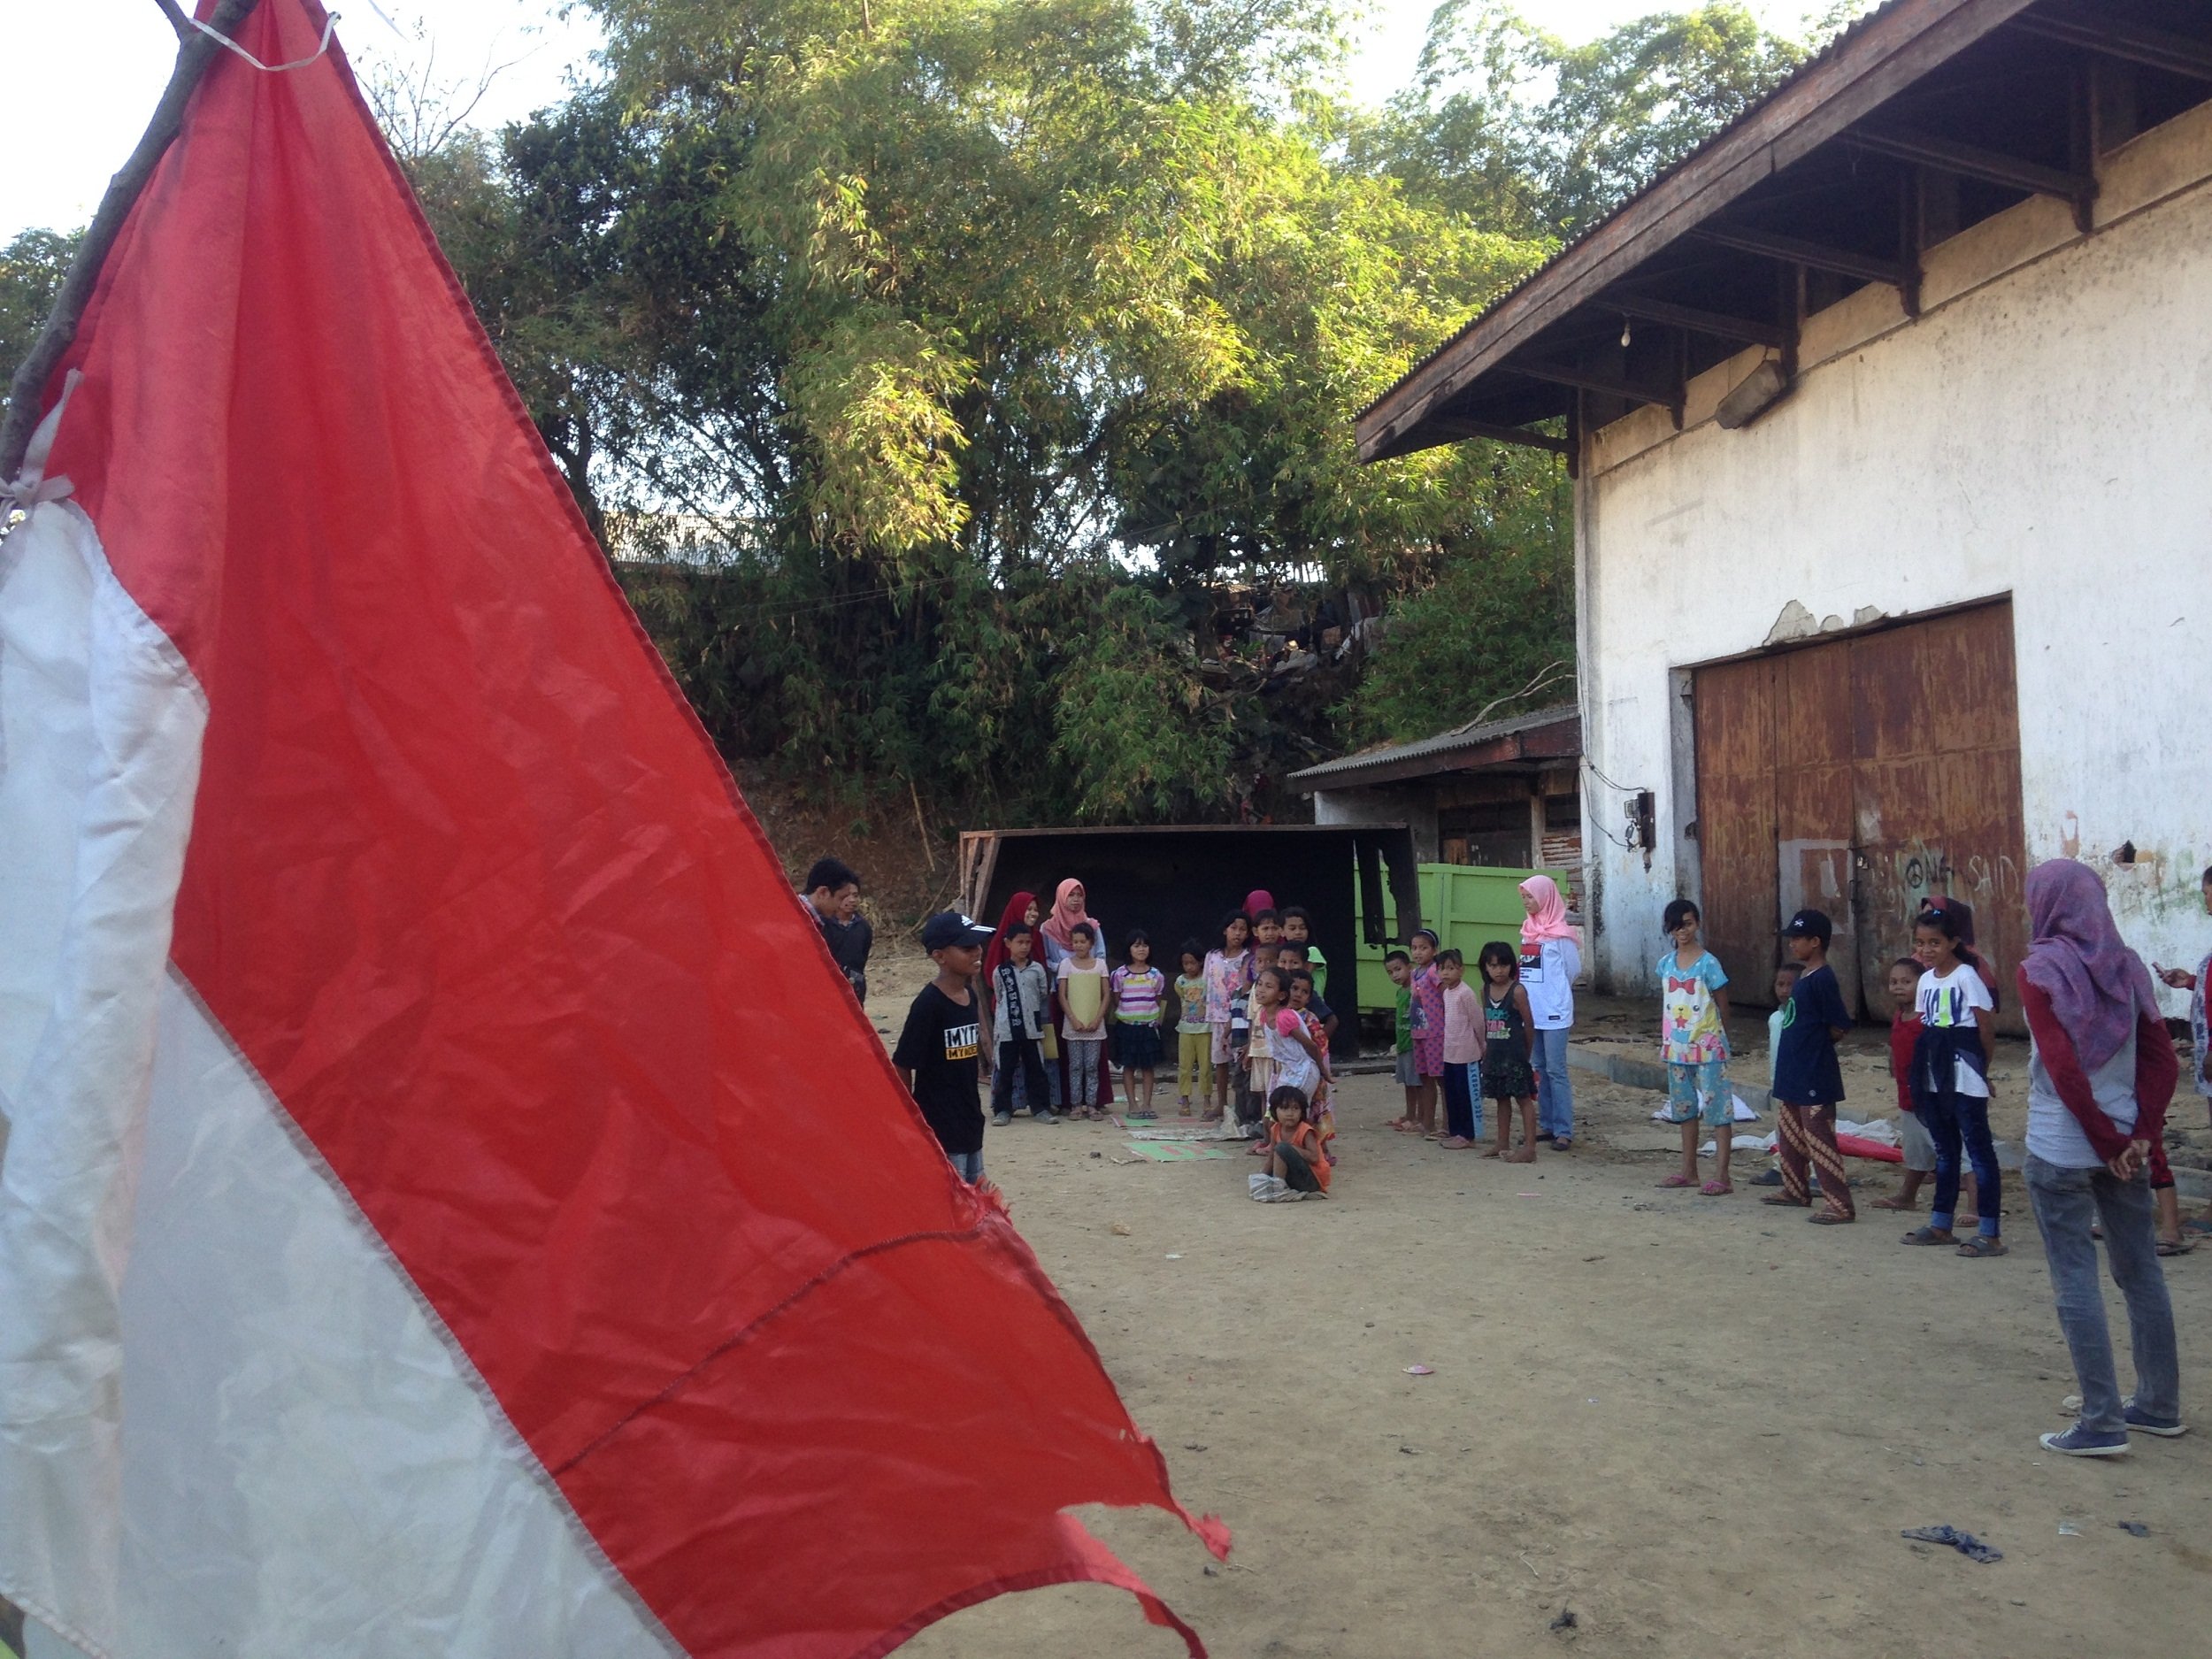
[449,1203]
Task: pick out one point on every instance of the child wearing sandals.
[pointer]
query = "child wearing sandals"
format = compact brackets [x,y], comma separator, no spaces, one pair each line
[1139,998]
[1694,1040]
[1083,991]
[1399,966]
[1950,1081]
[1463,1053]
[1808,1079]
[1508,1078]
[1194,1038]
[1428,1032]
[1227,972]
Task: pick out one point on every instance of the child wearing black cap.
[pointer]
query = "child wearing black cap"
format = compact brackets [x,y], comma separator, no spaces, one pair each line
[1808,1080]
[938,1051]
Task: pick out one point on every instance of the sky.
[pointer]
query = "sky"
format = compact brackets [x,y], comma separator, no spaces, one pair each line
[64,140]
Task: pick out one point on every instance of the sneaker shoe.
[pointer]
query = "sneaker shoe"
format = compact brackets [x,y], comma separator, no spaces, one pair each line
[2080,1442]
[1772,1178]
[1044,1117]
[2139,1420]
[999,1120]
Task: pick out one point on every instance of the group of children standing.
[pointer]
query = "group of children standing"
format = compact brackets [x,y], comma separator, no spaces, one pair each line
[1505,1044]
[1940,1039]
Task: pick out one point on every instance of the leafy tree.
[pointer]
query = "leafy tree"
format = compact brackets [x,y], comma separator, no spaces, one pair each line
[32,265]
[934,364]
[1507,122]
[1494,633]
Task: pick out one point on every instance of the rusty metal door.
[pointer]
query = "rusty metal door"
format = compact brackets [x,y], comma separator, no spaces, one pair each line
[1938,803]
[1858,776]
[1734,706]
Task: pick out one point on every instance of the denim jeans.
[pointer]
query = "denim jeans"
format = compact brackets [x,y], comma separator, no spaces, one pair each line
[2067,1203]
[1555,1095]
[968,1163]
[1950,1117]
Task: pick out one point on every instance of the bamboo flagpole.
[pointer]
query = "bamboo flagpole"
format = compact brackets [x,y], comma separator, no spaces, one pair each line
[196,49]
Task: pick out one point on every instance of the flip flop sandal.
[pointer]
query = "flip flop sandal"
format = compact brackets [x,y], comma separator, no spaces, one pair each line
[1977,1247]
[1677,1179]
[1828,1218]
[2176,1247]
[1908,1206]
[2197,1224]
[1928,1235]
[1716,1189]
[1783,1201]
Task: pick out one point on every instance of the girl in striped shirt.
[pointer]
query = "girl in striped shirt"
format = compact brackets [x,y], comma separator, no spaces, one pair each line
[1139,991]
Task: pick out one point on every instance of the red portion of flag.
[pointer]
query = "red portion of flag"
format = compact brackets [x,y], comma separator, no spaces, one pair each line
[469,888]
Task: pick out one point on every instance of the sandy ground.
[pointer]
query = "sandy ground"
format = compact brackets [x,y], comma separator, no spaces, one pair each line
[1698,1425]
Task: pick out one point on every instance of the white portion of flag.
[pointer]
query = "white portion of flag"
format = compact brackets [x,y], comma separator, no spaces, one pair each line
[230,1426]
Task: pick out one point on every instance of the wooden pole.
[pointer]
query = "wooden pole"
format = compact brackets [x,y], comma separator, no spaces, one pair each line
[194,54]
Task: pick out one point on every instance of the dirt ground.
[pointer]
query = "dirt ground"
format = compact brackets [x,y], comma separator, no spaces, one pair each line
[1698,1425]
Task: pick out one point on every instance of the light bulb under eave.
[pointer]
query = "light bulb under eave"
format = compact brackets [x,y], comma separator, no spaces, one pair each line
[1624,333]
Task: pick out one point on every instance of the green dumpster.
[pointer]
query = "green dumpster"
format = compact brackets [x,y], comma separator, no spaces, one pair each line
[1467,905]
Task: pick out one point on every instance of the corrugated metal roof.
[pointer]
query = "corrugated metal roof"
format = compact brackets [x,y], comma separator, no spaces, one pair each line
[1451,742]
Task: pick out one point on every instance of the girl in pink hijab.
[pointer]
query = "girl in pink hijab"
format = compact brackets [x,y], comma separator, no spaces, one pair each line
[1551,961]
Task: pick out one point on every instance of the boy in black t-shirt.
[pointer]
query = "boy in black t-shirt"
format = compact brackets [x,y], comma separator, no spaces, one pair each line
[938,1054]
[1807,1080]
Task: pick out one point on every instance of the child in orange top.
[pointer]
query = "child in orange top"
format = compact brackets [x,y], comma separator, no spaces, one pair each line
[1295,1166]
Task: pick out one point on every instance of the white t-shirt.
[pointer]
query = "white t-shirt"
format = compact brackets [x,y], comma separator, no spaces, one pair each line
[1950,1000]
[1549,975]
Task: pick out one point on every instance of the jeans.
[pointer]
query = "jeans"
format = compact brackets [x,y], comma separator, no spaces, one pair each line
[1555,1095]
[1949,1117]
[1022,1053]
[2067,1203]
[1463,1101]
[969,1164]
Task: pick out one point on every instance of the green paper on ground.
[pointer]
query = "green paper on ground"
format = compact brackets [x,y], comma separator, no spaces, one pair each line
[1175,1151]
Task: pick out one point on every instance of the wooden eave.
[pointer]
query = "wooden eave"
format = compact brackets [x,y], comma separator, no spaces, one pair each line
[1879,58]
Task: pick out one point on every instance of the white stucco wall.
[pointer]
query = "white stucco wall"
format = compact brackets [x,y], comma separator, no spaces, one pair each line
[2043,430]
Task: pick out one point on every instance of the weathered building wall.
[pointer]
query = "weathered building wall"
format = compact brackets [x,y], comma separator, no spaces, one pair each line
[2043,430]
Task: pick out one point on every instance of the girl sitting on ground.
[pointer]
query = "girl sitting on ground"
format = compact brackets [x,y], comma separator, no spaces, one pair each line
[1508,1078]
[1295,1166]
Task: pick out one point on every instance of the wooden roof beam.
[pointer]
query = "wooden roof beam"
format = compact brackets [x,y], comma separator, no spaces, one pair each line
[1971,161]
[1597,380]
[1452,428]
[2176,54]
[1794,251]
[1713,324]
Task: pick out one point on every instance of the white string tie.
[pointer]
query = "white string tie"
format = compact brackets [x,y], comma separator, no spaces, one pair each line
[330,22]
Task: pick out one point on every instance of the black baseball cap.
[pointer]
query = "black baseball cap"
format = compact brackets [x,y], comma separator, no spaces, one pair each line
[1810,924]
[953,927]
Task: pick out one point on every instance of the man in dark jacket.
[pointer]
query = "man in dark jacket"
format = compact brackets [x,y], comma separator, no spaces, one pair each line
[833,892]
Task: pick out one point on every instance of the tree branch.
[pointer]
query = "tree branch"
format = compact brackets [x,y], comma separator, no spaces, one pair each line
[123,191]
[178,21]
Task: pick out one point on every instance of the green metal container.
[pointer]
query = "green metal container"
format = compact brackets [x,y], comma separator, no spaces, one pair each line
[1467,905]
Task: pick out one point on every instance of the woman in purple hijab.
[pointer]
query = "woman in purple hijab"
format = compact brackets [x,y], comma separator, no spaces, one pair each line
[2099,1080]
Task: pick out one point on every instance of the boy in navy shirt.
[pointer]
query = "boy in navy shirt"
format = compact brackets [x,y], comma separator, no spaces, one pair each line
[1808,1080]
